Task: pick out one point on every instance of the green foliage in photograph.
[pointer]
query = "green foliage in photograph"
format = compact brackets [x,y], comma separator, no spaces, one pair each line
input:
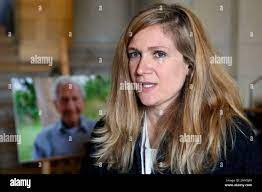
[97,90]
[25,101]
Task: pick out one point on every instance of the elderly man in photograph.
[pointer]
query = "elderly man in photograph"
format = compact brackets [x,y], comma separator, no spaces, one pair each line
[68,135]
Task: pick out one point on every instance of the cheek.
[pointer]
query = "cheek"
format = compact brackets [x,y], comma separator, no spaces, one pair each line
[80,106]
[132,70]
[173,77]
[61,107]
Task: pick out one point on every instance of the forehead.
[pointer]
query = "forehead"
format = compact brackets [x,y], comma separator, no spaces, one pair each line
[68,89]
[152,36]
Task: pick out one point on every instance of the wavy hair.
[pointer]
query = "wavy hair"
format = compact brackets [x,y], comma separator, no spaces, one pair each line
[207,91]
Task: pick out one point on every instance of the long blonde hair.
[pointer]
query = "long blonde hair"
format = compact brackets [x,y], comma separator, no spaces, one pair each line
[208,90]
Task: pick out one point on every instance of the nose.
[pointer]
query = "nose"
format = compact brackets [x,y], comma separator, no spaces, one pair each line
[70,105]
[143,66]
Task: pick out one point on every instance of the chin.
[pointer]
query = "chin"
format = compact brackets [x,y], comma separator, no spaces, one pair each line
[148,101]
[72,121]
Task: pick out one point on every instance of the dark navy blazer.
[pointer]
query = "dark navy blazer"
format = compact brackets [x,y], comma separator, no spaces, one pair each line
[244,158]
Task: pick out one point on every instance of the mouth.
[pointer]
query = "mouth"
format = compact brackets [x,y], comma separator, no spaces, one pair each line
[148,86]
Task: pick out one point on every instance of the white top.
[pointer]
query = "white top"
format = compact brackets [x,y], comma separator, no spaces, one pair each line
[147,153]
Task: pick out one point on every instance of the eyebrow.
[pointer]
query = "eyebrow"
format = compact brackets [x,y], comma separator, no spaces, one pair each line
[132,48]
[149,48]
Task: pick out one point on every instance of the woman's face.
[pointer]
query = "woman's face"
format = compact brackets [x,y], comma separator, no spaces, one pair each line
[155,62]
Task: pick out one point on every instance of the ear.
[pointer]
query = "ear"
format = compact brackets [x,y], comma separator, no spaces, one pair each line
[187,69]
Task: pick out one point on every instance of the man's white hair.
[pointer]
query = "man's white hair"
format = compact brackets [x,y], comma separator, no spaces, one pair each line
[63,80]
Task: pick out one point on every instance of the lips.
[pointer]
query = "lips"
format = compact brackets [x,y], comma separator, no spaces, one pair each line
[147,86]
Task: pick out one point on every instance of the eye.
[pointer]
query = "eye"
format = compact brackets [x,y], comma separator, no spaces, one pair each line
[159,54]
[133,54]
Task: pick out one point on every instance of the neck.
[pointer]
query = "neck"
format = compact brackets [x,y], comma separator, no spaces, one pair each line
[155,112]
[71,124]
[153,115]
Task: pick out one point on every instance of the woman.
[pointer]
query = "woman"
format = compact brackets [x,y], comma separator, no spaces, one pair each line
[186,118]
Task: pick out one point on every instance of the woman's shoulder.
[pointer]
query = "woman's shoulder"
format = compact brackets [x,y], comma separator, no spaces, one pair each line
[100,123]
[244,132]
[241,151]
[244,138]
[88,166]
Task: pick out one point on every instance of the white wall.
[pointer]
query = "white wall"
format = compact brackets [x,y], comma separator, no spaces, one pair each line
[249,48]
[229,31]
